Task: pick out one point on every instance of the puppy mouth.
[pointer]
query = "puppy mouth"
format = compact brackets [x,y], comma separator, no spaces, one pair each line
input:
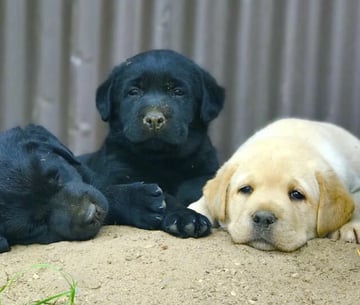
[262,239]
[262,244]
[176,135]
[155,145]
[152,141]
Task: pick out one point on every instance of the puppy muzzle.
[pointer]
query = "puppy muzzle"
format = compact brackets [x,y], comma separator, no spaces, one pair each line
[154,120]
[262,234]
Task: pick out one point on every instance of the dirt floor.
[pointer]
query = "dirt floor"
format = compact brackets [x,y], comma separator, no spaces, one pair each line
[125,265]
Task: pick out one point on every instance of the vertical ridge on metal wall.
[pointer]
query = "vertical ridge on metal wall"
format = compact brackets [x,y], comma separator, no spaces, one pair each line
[13,47]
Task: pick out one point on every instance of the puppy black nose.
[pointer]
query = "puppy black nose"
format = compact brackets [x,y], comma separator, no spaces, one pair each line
[93,213]
[263,218]
[154,120]
[90,213]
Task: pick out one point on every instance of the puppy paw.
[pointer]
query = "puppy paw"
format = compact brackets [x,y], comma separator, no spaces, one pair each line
[350,232]
[186,223]
[136,204]
[149,205]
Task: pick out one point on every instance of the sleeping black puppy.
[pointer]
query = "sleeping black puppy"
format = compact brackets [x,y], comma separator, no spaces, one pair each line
[43,195]
[158,105]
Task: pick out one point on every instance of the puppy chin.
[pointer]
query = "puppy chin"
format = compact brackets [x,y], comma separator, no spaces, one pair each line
[257,243]
[259,239]
[261,245]
[246,235]
[280,243]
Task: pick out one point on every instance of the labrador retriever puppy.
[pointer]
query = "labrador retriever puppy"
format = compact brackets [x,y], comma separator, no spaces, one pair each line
[157,155]
[43,195]
[292,181]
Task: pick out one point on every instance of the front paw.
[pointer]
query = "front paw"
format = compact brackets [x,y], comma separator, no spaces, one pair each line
[149,205]
[350,232]
[137,204]
[186,223]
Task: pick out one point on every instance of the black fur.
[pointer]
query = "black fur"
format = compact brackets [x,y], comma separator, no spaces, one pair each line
[43,195]
[158,105]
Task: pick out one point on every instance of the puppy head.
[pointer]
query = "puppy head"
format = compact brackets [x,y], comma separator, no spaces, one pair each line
[42,194]
[157,95]
[75,209]
[277,194]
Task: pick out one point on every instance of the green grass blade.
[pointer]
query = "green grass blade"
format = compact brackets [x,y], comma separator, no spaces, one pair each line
[70,294]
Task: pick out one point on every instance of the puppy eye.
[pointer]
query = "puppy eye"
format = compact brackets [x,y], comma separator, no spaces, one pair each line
[296,195]
[134,92]
[246,189]
[178,92]
[52,179]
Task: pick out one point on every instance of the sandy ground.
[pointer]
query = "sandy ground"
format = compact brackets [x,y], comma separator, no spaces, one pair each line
[125,265]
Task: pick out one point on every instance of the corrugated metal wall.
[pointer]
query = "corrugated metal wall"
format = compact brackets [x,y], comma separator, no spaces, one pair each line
[275,58]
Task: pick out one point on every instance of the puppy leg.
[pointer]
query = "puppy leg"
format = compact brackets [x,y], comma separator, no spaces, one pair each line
[191,190]
[4,245]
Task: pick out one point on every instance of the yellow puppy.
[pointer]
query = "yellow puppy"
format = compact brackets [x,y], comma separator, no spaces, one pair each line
[292,181]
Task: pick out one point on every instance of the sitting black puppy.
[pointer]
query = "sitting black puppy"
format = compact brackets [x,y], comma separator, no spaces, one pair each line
[158,105]
[43,196]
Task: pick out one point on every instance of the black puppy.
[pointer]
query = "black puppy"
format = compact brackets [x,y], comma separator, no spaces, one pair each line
[158,105]
[43,196]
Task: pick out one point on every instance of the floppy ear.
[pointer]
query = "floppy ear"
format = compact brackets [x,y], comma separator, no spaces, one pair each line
[213,97]
[215,192]
[103,98]
[335,204]
[104,92]
[39,137]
